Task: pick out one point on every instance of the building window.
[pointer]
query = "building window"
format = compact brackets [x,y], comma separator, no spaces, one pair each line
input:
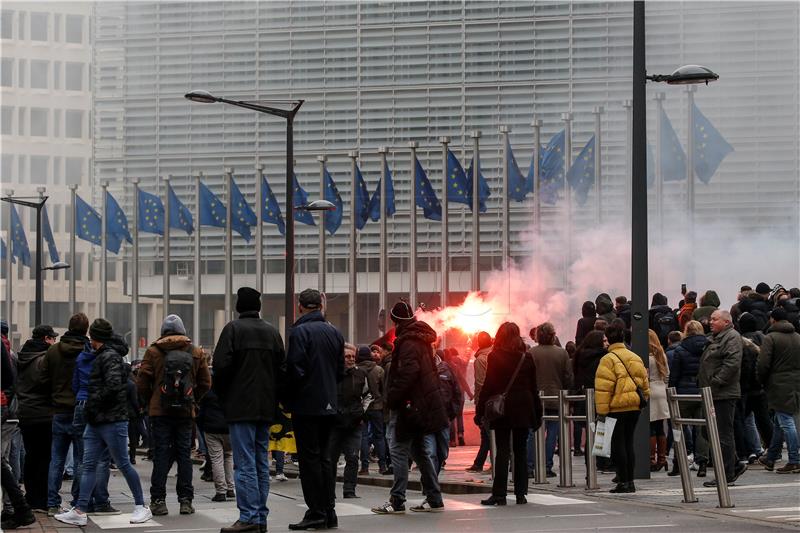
[73,168]
[111,272]
[22,167]
[21,26]
[22,68]
[39,71]
[39,170]
[8,167]
[57,174]
[39,121]
[57,27]
[8,119]
[73,78]
[39,26]
[7,24]
[21,112]
[56,123]
[74,30]
[73,124]
[7,74]
[56,74]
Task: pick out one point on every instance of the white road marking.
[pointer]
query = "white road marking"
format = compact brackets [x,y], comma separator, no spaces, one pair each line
[121,521]
[770,510]
[705,490]
[783,516]
[220,515]
[496,518]
[550,499]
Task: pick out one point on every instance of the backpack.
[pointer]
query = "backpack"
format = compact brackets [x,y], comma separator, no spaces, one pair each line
[664,322]
[177,388]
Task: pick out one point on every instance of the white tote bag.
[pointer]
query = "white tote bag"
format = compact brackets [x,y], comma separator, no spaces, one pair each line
[602,437]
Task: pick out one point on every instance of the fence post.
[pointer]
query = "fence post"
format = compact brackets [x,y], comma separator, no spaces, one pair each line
[680,447]
[564,452]
[492,450]
[591,463]
[713,438]
[540,472]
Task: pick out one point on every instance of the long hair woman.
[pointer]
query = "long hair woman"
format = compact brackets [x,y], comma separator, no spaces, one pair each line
[523,410]
[658,374]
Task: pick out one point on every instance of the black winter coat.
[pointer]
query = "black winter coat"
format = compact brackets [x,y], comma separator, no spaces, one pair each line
[108,384]
[314,366]
[585,367]
[351,391]
[451,391]
[412,389]
[779,367]
[523,405]
[211,418]
[759,309]
[247,362]
[748,378]
[33,393]
[585,325]
[686,363]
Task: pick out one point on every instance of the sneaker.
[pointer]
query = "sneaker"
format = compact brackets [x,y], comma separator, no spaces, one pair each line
[789,468]
[159,508]
[72,517]
[186,507]
[57,509]
[766,463]
[219,498]
[390,508]
[140,514]
[230,494]
[104,510]
[427,507]
[281,477]
[751,459]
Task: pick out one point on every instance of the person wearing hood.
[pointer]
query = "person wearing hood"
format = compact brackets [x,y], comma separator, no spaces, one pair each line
[586,322]
[171,360]
[35,414]
[756,304]
[687,309]
[373,431]
[662,318]
[605,307]
[314,368]
[709,302]
[417,410]
[107,423]
[622,307]
[484,343]
[58,366]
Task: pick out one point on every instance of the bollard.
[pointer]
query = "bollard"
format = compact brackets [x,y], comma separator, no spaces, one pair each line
[680,447]
[564,452]
[540,472]
[591,463]
[713,441]
[492,450]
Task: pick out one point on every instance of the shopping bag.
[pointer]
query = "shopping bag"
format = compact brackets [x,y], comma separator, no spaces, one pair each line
[602,437]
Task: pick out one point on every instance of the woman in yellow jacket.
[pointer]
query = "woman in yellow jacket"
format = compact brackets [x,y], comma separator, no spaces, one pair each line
[618,375]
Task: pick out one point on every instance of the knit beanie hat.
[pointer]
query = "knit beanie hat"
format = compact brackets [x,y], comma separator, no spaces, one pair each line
[763,288]
[363,353]
[401,312]
[248,299]
[173,325]
[101,330]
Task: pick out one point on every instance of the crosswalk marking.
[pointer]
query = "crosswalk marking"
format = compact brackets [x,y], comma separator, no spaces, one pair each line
[550,499]
[121,521]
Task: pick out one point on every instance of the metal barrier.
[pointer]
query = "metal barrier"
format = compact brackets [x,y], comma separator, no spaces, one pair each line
[540,475]
[710,422]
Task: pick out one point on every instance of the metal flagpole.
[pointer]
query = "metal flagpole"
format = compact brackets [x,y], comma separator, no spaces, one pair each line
[567,118]
[690,89]
[537,204]
[598,166]
[228,244]
[167,265]
[384,259]
[198,276]
[659,98]
[73,260]
[506,245]
[445,266]
[39,290]
[135,273]
[260,230]
[351,287]
[475,285]
[9,263]
[412,256]
[628,105]
[104,252]
[322,259]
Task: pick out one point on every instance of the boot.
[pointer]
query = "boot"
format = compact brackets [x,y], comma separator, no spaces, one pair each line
[675,470]
[701,470]
[661,461]
[653,448]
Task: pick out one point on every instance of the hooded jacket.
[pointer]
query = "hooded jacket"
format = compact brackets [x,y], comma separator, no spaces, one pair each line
[58,366]
[33,393]
[757,306]
[686,363]
[481,362]
[778,367]
[351,390]
[709,302]
[108,384]
[618,375]
[585,323]
[721,365]
[605,307]
[585,367]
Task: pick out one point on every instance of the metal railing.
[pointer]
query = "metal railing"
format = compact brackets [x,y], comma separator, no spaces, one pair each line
[710,423]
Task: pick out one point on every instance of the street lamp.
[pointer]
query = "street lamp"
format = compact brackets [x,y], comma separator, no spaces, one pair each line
[205,97]
[317,205]
[685,75]
[60,265]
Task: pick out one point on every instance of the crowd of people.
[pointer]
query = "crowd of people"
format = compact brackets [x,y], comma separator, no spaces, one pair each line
[398,401]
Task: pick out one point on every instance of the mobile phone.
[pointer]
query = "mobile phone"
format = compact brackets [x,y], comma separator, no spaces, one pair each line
[683,289]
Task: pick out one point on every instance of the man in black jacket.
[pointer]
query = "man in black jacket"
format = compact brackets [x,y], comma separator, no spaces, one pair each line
[314,367]
[247,360]
[417,411]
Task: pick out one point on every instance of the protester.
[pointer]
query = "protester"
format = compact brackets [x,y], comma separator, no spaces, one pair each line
[709,303]
[459,368]
[621,378]
[584,367]
[346,433]
[453,399]
[687,309]
[604,307]
[484,342]
[107,417]
[658,374]
[662,318]
[314,367]
[674,339]
[247,361]
[373,431]
[211,420]
[586,322]
[511,370]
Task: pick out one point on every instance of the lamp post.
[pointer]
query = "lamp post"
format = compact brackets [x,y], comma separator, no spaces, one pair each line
[204,97]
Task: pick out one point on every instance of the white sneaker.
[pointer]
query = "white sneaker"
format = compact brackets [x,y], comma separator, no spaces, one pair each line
[72,517]
[281,477]
[140,514]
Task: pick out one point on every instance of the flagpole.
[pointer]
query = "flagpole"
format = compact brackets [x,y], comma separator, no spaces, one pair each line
[351,287]
[659,98]
[412,256]
[567,118]
[628,105]
[197,267]
[690,89]
[384,260]
[445,260]
[506,245]
[39,246]
[321,268]
[598,166]
[167,265]
[260,230]
[476,224]
[537,204]
[228,243]
[73,260]
[135,272]
[9,264]
[104,252]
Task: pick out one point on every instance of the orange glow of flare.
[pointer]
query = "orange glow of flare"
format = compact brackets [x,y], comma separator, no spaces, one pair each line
[474,315]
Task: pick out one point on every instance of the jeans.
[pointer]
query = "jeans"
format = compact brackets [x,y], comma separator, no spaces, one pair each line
[100,497]
[483,450]
[219,451]
[373,433]
[440,444]
[172,438]
[551,437]
[622,447]
[11,490]
[756,405]
[64,435]
[785,429]
[345,440]
[313,437]
[506,439]
[36,438]
[751,437]
[250,443]
[418,448]
[114,436]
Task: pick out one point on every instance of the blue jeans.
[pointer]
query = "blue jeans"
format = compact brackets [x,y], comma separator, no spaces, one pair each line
[551,437]
[250,443]
[373,432]
[114,436]
[280,460]
[100,497]
[64,434]
[419,448]
[784,429]
[440,444]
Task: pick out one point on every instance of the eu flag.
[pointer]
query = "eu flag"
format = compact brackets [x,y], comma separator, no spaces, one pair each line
[710,147]
[47,233]
[116,225]
[551,170]
[673,158]
[151,213]
[517,183]
[333,219]
[242,215]
[89,227]
[375,202]
[4,252]
[270,209]
[529,178]
[179,215]
[425,195]
[483,188]
[212,211]
[581,174]
[458,189]
[19,243]
[301,199]
[361,208]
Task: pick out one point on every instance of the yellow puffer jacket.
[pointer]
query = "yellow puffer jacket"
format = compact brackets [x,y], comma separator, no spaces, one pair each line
[614,390]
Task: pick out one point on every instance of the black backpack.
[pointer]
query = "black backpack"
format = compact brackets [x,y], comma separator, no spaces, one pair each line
[177,389]
[665,322]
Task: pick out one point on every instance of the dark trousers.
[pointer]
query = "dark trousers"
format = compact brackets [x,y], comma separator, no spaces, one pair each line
[757,404]
[172,441]
[12,490]
[347,441]
[622,448]
[373,433]
[483,451]
[726,412]
[505,439]
[37,438]
[136,430]
[313,436]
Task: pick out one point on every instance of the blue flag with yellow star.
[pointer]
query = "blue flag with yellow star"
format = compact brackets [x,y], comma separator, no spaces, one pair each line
[483,188]
[361,207]
[88,224]
[270,209]
[333,219]
[151,213]
[47,234]
[375,201]
[19,242]
[212,210]
[425,195]
[551,170]
[710,147]
[673,158]
[300,198]
[116,225]
[179,215]
[581,174]
[4,252]
[242,215]
[458,189]
[517,183]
